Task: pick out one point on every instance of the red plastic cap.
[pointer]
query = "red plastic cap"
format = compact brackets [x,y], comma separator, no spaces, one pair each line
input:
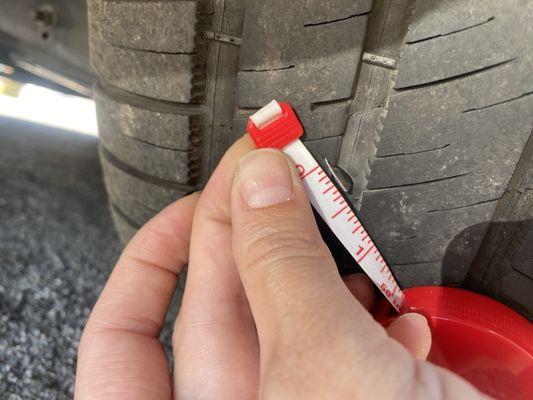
[278,133]
[482,340]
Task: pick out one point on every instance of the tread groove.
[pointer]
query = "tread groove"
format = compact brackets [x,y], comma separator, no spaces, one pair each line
[417,263]
[141,50]
[455,77]
[413,152]
[450,33]
[331,103]
[269,69]
[149,103]
[337,20]
[154,144]
[124,216]
[465,206]
[499,102]
[408,185]
[321,138]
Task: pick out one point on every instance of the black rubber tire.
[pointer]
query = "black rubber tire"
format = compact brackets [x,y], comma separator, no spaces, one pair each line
[426,104]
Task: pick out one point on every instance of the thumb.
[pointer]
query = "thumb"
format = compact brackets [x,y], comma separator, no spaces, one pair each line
[306,318]
[288,273]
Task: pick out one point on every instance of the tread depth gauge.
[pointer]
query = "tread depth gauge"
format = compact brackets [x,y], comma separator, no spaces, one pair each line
[276,125]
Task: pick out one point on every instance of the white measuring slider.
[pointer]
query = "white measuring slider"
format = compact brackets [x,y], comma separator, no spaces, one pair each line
[276,125]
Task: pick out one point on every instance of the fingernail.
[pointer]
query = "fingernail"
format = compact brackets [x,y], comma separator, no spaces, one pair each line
[264,179]
[416,320]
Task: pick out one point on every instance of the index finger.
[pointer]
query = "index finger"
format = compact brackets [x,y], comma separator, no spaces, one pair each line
[120,354]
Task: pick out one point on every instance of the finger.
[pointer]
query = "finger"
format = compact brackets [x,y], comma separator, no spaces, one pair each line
[361,287]
[120,355]
[215,341]
[412,331]
[288,273]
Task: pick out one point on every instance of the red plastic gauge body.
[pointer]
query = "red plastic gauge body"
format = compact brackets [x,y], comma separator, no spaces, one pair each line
[278,133]
[482,340]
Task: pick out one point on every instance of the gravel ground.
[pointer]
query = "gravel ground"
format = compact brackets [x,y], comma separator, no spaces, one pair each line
[57,247]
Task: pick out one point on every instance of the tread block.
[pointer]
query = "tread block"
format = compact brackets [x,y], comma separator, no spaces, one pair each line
[327,147]
[463,52]
[137,213]
[165,164]
[134,24]
[125,186]
[310,62]
[171,77]
[161,128]
[259,88]
[521,255]
[239,127]
[462,152]
[426,128]
[331,74]
[126,202]
[323,122]
[517,290]
[449,239]
[405,203]
[280,42]
[418,274]
[124,227]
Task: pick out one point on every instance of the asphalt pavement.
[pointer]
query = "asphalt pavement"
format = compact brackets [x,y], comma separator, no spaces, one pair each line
[57,248]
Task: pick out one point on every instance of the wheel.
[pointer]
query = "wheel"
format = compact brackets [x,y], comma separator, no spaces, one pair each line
[425,104]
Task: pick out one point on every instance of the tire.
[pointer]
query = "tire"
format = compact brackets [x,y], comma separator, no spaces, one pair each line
[426,104]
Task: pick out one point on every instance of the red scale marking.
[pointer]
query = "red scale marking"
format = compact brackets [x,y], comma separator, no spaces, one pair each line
[365,254]
[365,236]
[310,172]
[352,217]
[324,177]
[328,189]
[338,197]
[338,212]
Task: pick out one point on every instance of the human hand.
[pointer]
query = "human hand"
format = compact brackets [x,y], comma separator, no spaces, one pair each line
[265,313]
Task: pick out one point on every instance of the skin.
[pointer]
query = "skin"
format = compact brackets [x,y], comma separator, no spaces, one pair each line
[265,313]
